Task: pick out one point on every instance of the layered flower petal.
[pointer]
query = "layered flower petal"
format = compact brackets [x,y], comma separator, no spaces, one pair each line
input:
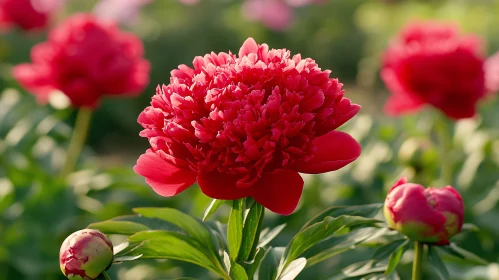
[331,152]
[279,191]
[165,178]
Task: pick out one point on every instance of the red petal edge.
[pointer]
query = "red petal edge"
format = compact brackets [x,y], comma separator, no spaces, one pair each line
[221,186]
[279,191]
[165,178]
[333,151]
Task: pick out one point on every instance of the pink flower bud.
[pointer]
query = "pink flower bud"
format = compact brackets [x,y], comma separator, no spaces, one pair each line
[431,215]
[85,254]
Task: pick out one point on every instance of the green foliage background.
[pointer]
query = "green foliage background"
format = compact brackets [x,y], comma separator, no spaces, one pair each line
[347,36]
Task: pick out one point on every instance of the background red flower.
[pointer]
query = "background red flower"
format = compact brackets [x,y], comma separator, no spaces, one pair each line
[246,125]
[430,63]
[85,58]
[27,14]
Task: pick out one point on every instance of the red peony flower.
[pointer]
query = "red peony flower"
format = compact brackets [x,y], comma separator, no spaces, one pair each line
[430,215]
[85,58]
[246,125]
[27,14]
[430,63]
[492,73]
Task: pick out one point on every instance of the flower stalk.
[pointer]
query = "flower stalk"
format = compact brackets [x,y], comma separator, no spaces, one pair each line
[445,145]
[104,276]
[77,141]
[417,265]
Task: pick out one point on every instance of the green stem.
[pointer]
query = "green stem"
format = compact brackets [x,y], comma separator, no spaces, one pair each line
[417,266]
[444,146]
[257,236]
[104,276]
[77,141]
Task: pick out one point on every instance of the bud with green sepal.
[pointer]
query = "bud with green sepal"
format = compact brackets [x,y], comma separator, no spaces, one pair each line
[85,254]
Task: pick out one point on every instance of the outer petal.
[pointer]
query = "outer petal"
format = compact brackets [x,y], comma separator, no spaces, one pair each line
[221,186]
[332,151]
[34,79]
[397,105]
[279,191]
[249,46]
[165,178]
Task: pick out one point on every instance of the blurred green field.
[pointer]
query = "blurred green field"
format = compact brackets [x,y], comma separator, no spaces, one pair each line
[347,36]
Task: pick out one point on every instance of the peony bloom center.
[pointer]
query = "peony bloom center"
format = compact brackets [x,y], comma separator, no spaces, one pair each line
[245,117]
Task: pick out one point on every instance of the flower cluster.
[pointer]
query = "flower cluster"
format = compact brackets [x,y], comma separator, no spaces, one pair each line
[432,64]
[85,58]
[430,215]
[245,125]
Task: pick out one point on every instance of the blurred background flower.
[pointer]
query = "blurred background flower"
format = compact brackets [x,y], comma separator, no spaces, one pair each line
[27,14]
[119,10]
[85,58]
[431,63]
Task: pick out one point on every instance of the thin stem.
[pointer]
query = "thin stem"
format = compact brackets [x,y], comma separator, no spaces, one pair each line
[444,146]
[258,233]
[417,265]
[77,141]
[104,276]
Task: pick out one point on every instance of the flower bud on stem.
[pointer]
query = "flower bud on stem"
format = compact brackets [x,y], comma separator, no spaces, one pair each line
[77,141]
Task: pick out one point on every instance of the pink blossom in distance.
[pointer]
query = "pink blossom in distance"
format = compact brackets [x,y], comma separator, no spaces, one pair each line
[124,11]
[492,73]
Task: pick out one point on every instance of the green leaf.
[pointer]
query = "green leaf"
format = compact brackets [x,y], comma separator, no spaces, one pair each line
[235,227]
[469,227]
[454,250]
[270,264]
[366,211]
[173,245]
[237,272]
[118,227]
[121,259]
[437,263]
[360,269]
[252,226]
[293,269]
[212,208]
[191,226]
[252,266]
[339,244]
[396,256]
[271,234]
[385,251]
[315,233]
